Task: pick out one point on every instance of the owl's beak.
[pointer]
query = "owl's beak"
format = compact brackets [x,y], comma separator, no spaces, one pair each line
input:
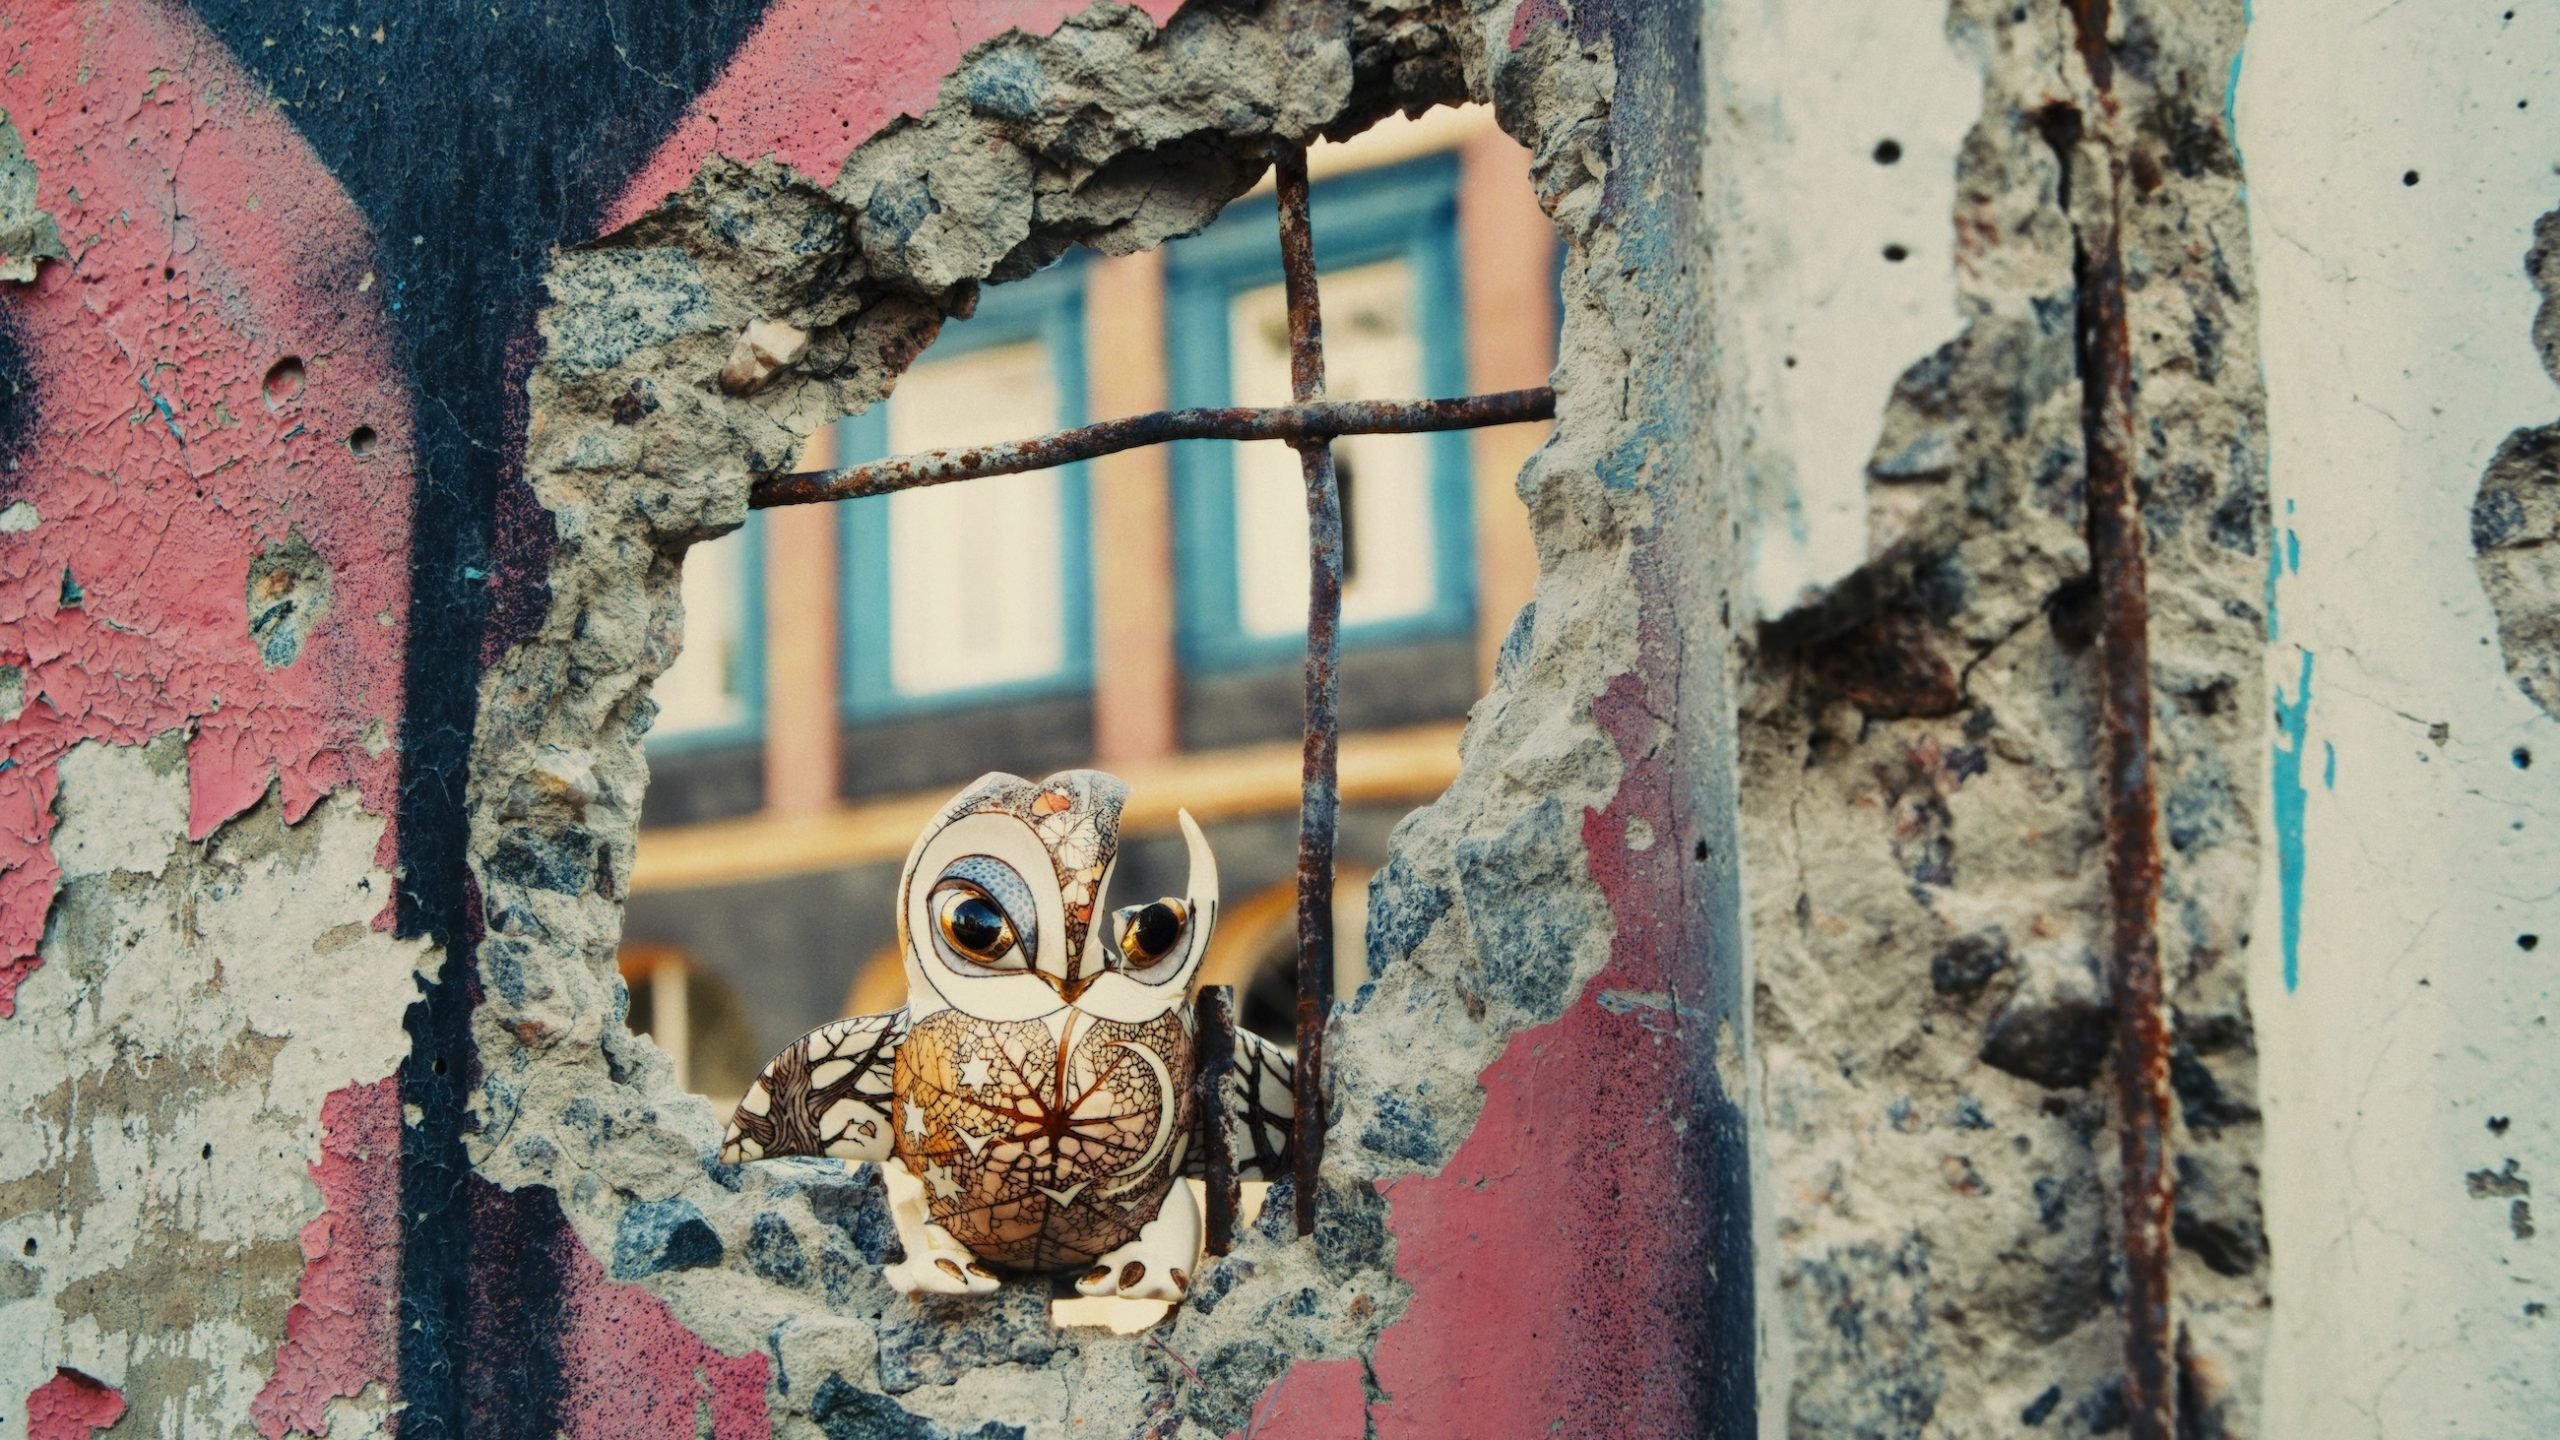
[1067,989]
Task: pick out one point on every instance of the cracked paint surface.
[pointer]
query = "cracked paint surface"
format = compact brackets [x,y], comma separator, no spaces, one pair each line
[338,1335]
[201,1008]
[71,1406]
[205,247]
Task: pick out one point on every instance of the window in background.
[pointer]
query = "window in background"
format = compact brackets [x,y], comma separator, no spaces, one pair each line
[714,692]
[1387,244]
[965,594]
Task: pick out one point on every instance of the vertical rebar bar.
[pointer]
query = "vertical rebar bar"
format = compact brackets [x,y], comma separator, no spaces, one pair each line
[1217,1011]
[2116,555]
[1320,799]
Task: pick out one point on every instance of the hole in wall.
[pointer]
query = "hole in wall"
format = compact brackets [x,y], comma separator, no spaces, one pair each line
[926,681]
[361,440]
[1896,254]
[2409,177]
[284,382]
[1888,151]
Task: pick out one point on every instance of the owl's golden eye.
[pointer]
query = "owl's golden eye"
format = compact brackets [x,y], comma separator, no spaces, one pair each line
[1148,933]
[974,925]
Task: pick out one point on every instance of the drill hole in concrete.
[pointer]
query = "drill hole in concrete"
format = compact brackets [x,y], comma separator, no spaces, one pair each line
[1888,152]
[284,382]
[1896,254]
[361,439]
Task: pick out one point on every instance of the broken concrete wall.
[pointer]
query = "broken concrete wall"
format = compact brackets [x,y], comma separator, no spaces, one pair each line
[341,540]
[1585,838]
[507,1216]
[1922,779]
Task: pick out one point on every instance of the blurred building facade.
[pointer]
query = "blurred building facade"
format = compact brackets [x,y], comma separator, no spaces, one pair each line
[847,667]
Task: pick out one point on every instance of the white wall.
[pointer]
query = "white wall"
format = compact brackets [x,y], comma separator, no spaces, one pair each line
[1821,322]
[2407,1016]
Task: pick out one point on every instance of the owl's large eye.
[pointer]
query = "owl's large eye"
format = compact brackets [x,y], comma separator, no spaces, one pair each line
[975,925]
[1148,933]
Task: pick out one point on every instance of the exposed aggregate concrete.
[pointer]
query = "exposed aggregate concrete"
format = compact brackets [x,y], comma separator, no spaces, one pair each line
[2515,518]
[1922,799]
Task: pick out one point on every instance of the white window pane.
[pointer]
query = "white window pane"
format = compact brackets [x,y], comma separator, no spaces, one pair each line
[705,689]
[1372,352]
[976,571]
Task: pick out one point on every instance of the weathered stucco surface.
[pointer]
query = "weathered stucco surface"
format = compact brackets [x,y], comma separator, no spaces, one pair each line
[2401,179]
[1921,782]
[199,1007]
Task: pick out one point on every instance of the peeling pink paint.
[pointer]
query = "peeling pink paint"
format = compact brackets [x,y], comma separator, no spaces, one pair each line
[818,77]
[630,1369]
[1534,13]
[72,1406]
[1321,1400]
[158,464]
[342,1333]
[1564,1216]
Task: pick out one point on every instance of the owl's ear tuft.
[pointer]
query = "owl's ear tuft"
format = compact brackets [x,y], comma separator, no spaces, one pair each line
[1203,885]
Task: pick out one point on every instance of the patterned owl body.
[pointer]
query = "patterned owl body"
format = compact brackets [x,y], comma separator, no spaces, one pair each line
[1044,1144]
[1033,1105]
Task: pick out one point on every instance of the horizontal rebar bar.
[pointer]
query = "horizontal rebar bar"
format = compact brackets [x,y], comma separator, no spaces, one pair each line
[1314,421]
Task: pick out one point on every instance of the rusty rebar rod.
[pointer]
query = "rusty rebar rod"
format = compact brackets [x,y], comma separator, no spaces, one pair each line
[1216,1073]
[2148,1200]
[1319,795]
[1295,424]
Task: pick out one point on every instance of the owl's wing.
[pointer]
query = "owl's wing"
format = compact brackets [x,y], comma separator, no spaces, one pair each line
[1261,1101]
[828,1094]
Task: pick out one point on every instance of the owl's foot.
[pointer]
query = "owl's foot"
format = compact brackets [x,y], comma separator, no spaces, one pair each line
[952,1272]
[1158,1265]
[937,1263]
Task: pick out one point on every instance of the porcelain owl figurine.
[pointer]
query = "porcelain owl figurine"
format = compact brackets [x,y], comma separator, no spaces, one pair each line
[1032,1107]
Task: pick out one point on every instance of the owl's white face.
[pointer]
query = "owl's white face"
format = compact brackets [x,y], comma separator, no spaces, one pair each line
[1004,908]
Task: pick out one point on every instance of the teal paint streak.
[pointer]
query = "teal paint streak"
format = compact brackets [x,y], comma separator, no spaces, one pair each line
[2275,572]
[2284,554]
[2329,767]
[2293,723]
[2231,84]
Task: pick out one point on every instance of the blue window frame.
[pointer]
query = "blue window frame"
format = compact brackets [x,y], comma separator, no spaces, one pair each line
[737,657]
[1406,213]
[1048,309]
